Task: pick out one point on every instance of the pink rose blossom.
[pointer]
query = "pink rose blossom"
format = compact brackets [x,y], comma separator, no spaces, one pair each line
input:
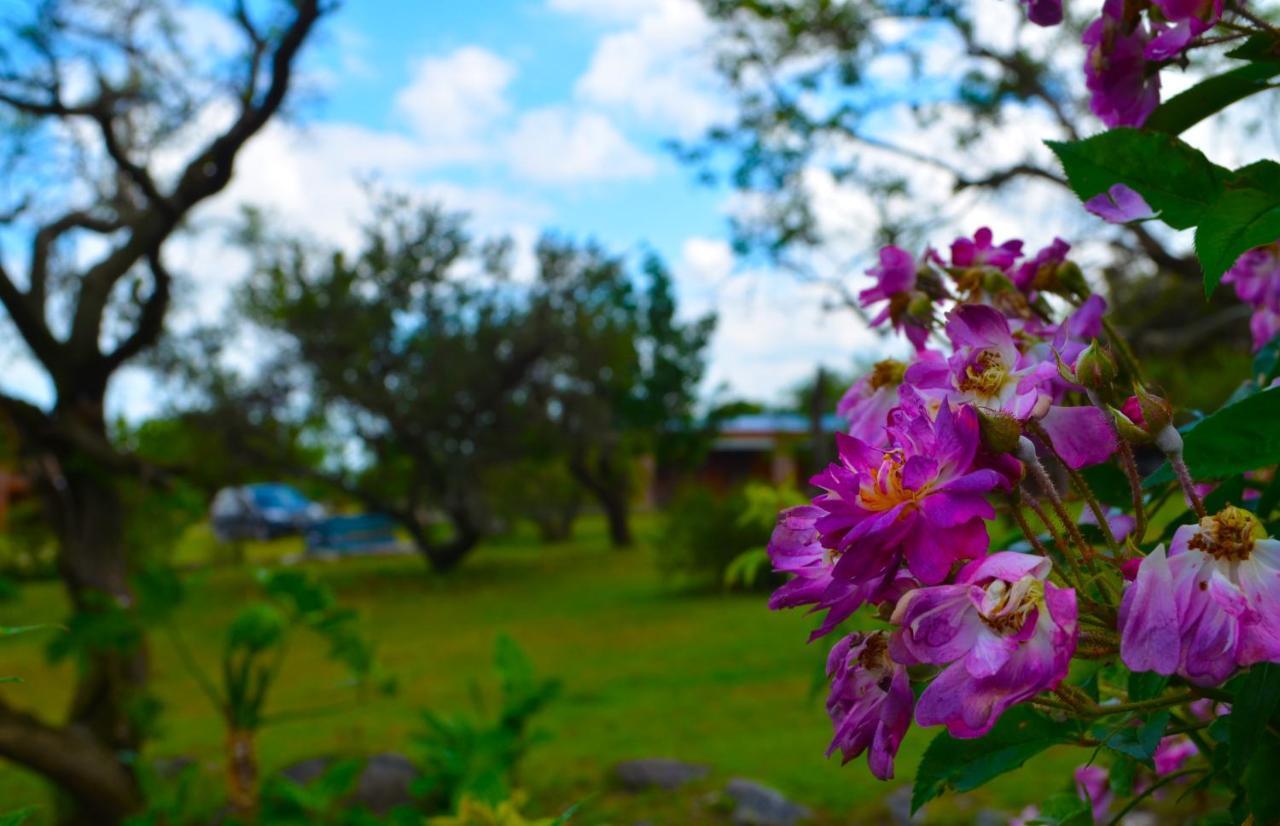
[1002,631]
[870,701]
[1214,599]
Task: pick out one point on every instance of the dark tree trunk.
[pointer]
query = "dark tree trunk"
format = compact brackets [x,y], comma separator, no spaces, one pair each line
[445,556]
[610,484]
[617,511]
[80,495]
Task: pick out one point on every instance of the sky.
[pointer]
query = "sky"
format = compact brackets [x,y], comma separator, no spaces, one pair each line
[532,116]
[541,116]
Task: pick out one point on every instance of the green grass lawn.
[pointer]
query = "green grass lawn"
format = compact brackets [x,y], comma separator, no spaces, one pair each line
[649,669]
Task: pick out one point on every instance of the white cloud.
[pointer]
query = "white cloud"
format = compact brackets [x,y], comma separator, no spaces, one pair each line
[772,331]
[658,70]
[454,98]
[558,145]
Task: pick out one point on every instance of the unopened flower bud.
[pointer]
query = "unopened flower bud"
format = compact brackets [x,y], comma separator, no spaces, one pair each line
[1157,413]
[1070,280]
[920,307]
[1095,368]
[1128,429]
[1000,431]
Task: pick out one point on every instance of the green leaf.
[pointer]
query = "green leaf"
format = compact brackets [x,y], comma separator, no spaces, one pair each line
[1260,786]
[1244,217]
[1064,809]
[1182,111]
[1260,47]
[962,765]
[1146,685]
[1140,743]
[1256,701]
[17,818]
[1239,437]
[1174,178]
[1266,364]
[1109,484]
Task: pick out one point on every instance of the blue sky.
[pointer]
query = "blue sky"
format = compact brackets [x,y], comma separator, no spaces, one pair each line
[530,115]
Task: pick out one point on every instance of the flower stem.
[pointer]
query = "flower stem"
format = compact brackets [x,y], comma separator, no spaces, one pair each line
[1123,350]
[1027,453]
[1130,467]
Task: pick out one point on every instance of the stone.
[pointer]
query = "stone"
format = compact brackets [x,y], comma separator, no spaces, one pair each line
[386,783]
[385,780]
[657,773]
[758,805]
[898,802]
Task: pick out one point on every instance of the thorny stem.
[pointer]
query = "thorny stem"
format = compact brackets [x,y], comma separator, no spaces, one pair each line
[1130,467]
[1188,484]
[1015,509]
[1257,20]
[1082,487]
[1061,559]
[1027,453]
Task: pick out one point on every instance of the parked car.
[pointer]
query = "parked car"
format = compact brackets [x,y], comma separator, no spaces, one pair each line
[262,511]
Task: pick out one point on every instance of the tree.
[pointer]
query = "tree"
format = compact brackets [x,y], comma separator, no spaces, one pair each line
[625,380]
[409,358]
[862,124]
[93,96]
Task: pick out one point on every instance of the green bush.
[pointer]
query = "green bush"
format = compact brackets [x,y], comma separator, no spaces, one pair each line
[721,537]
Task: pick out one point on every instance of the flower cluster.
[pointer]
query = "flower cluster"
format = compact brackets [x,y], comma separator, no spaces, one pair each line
[1126,47]
[1010,388]
[1256,278]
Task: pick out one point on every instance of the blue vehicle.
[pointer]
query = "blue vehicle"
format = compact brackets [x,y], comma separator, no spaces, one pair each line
[262,511]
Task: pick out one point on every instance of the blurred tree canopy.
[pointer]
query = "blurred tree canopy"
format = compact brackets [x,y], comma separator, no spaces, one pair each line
[106,148]
[430,369]
[862,124]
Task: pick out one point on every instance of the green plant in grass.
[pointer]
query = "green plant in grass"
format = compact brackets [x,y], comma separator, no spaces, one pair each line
[465,757]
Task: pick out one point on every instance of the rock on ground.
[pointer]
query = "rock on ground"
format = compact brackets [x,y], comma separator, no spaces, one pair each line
[657,773]
[759,805]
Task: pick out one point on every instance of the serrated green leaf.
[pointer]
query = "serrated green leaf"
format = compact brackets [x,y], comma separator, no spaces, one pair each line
[962,765]
[1174,178]
[1184,110]
[1244,217]
[1239,437]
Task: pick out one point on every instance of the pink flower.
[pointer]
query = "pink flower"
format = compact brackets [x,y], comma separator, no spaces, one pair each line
[988,371]
[867,403]
[981,251]
[1120,205]
[795,550]
[918,502]
[1215,600]
[1042,266]
[1187,19]
[895,284]
[1044,12]
[1256,278]
[1093,784]
[1122,91]
[870,701]
[1003,632]
[1173,752]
